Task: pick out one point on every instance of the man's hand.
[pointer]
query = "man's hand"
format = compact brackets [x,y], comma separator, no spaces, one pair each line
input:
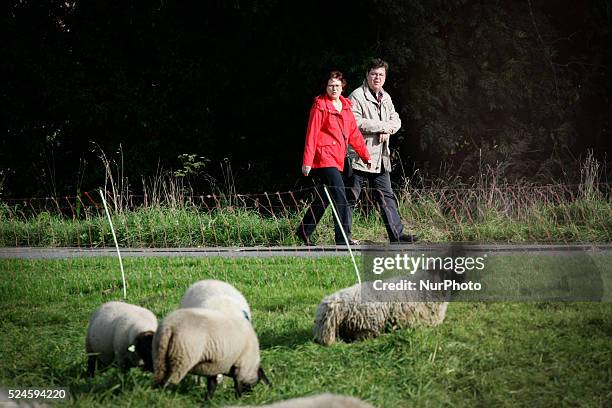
[383,137]
[306,170]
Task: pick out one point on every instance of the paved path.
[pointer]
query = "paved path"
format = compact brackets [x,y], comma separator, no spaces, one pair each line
[298,251]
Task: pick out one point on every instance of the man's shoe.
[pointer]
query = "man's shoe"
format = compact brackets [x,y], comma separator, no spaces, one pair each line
[406,238]
[350,241]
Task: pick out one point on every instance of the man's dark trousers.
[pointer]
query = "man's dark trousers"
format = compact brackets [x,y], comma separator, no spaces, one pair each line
[380,183]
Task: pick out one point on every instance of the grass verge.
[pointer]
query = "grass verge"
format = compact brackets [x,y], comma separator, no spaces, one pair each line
[433,219]
[497,354]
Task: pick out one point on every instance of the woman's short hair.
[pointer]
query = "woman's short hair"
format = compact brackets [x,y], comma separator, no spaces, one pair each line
[335,75]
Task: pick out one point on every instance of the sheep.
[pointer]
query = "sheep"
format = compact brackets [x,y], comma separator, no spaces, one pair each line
[343,314]
[318,401]
[121,333]
[216,295]
[207,342]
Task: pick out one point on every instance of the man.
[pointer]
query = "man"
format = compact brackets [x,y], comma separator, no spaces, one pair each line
[377,119]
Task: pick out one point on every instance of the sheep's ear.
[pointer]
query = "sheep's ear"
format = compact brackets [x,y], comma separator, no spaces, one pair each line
[261,376]
[144,348]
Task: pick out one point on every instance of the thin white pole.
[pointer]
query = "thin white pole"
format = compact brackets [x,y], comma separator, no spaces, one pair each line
[343,233]
[116,244]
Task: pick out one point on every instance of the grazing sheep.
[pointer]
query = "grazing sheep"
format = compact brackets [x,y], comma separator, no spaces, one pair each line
[207,342]
[216,295]
[345,315]
[122,333]
[318,401]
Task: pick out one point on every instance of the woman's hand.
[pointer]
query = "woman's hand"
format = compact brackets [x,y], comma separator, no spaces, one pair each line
[369,164]
[383,137]
[306,170]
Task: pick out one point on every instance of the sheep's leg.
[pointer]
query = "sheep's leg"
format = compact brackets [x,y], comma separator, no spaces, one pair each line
[91,366]
[237,385]
[211,386]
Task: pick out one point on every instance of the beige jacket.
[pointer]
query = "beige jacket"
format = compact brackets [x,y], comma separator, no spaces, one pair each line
[372,119]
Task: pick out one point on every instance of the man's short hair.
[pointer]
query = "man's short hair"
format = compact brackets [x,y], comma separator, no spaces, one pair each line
[377,63]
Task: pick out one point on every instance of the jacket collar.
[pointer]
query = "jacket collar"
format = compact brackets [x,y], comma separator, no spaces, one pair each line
[368,92]
[330,106]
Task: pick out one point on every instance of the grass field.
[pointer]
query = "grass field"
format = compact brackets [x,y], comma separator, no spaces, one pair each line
[496,354]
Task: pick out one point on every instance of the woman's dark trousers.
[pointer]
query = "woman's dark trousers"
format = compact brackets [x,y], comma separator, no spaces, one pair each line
[332,178]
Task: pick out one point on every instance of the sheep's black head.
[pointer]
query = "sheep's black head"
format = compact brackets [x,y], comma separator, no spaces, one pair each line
[144,348]
[242,387]
[261,376]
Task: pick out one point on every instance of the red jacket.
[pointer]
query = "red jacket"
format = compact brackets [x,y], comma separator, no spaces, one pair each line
[325,146]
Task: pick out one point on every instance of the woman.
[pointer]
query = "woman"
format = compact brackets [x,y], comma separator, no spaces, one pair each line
[330,127]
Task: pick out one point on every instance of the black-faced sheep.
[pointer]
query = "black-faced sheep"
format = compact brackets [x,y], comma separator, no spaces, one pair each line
[216,295]
[207,342]
[318,401]
[343,314]
[121,333]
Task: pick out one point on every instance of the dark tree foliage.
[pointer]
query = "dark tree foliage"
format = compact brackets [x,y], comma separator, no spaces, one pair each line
[507,84]
[523,86]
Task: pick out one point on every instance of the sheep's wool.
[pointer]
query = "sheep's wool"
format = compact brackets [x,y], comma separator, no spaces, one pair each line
[318,401]
[204,342]
[216,295]
[343,314]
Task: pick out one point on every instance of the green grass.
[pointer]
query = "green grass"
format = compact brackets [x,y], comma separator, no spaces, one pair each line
[497,354]
[485,215]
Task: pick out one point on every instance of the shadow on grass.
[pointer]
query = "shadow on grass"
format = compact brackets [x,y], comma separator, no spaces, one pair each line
[107,382]
[289,339]
[284,305]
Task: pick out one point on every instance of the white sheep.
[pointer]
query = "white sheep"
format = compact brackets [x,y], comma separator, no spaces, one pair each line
[208,343]
[216,295]
[318,401]
[343,314]
[120,333]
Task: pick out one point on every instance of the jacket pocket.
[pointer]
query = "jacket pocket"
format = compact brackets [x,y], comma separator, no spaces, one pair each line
[326,153]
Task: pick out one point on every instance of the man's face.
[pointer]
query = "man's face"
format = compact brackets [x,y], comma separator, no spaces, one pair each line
[376,79]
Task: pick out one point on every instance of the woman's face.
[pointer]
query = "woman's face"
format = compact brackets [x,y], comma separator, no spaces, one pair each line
[334,88]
